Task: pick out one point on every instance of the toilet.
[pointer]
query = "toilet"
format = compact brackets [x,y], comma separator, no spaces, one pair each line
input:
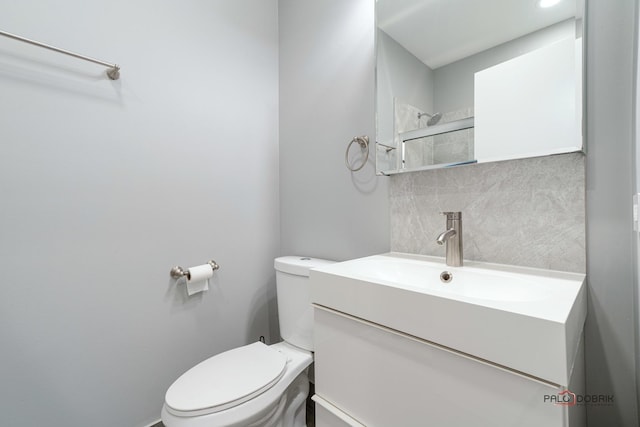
[255,385]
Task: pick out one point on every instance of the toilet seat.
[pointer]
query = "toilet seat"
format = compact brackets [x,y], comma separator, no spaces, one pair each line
[225,380]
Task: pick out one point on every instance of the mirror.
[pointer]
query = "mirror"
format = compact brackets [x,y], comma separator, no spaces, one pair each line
[464,81]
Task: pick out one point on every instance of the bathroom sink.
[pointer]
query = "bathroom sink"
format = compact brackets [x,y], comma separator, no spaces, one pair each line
[470,283]
[524,319]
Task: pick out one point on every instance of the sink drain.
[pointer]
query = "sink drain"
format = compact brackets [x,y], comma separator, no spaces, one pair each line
[446,277]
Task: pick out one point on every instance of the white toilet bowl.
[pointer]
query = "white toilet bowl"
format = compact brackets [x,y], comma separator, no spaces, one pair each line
[254,385]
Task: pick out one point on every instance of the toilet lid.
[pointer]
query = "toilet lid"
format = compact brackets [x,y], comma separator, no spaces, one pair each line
[226,380]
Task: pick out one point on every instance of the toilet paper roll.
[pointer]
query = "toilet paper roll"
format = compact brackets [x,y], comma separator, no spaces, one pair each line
[198,280]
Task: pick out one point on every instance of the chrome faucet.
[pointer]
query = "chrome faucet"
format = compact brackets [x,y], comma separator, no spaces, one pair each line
[452,236]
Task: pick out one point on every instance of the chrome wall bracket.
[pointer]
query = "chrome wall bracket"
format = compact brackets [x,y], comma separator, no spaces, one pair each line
[178,272]
[363,142]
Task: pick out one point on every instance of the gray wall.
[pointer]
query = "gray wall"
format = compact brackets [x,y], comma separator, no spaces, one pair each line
[610,330]
[327,97]
[107,185]
[636,189]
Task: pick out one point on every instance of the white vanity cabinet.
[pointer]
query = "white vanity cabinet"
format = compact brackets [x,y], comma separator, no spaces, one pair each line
[367,374]
[496,346]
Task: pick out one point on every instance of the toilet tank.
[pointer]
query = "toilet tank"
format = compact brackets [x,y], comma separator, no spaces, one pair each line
[294,301]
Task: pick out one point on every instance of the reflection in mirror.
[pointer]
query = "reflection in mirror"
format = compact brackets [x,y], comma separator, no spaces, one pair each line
[463,81]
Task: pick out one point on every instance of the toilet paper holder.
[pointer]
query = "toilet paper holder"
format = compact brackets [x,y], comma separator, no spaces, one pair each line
[177,272]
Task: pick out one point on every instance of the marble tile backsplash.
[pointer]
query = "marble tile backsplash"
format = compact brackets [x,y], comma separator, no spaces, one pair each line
[528,212]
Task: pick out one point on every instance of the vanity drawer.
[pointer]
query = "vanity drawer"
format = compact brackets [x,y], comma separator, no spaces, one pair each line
[382,377]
